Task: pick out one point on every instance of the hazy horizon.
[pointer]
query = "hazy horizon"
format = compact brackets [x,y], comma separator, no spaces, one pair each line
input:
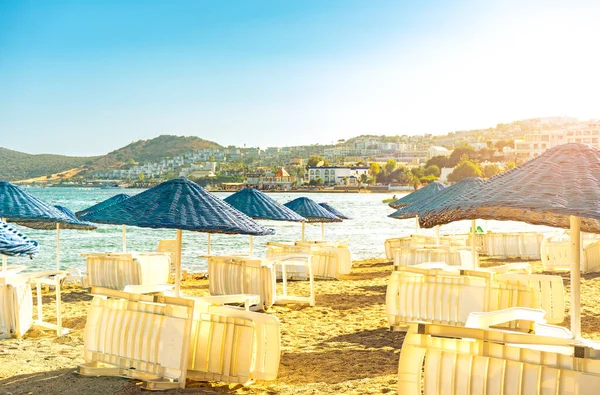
[84,79]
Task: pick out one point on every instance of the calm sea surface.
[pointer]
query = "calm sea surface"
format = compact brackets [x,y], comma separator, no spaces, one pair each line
[366,231]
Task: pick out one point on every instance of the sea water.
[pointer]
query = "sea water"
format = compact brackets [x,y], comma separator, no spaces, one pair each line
[365,233]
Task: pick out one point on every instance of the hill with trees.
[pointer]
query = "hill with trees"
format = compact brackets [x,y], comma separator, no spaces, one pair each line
[18,165]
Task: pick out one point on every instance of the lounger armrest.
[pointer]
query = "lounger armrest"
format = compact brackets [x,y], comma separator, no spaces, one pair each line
[485,320]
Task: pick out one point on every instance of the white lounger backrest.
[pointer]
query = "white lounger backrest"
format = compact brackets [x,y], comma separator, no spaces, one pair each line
[113,271]
[140,335]
[449,360]
[19,317]
[548,293]
[446,297]
[233,345]
[228,276]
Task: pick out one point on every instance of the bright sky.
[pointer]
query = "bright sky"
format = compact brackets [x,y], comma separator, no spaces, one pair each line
[87,77]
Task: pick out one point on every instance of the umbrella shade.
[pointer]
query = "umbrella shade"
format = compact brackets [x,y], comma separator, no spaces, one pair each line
[75,223]
[417,195]
[258,205]
[563,181]
[310,210]
[18,205]
[179,204]
[103,204]
[333,211]
[437,199]
[13,243]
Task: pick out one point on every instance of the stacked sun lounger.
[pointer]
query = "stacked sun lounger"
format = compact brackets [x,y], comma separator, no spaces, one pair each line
[453,256]
[164,340]
[116,271]
[328,261]
[438,359]
[524,245]
[417,241]
[448,297]
[556,253]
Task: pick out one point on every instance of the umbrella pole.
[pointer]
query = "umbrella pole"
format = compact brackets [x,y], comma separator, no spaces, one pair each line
[416,224]
[208,249]
[57,246]
[303,231]
[437,235]
[575,223]
[322,231]
[251,246]
[124,234]
[5,308]
[473,241]
[178,266]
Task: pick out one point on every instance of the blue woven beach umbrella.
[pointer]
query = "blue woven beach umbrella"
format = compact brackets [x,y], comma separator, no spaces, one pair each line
[417,195]
[333,211]
[18,205]
[258,205]
[310,210]
[182,205]
[103,204]
[14,243]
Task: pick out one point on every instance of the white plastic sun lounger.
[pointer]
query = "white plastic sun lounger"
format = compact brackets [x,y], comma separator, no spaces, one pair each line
[116,271]
[19,317]
[438,359]
[453,256]
[417,241]
[162,340]
[446,297]
[328,262]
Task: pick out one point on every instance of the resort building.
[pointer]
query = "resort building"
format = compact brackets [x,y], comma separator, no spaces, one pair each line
[332,175]
[280,180]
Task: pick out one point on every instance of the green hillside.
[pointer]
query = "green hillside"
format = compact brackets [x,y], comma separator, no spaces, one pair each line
[18,165]
[156,149]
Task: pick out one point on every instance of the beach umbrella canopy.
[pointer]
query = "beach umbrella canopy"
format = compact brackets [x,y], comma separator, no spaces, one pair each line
[103,204]
[437,199]
[183,205]
[74,222]
[560,188]
[333,211]
[179,204]
[18,205]
[417,195]
[14,243]
[310,210]
[259,205]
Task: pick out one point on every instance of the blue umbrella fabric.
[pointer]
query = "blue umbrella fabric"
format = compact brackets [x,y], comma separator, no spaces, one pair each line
[14,243]
[417,195]
[103,204]
[310,210]
[18,205]
[179,204]
[438,199]
[333,211]
[257,205]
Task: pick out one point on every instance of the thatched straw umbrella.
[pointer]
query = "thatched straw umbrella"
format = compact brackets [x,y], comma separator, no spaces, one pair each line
[417,196]
[333,211]
[422,206]
[559,188]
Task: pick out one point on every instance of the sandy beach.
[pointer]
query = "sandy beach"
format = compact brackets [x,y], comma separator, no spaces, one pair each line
[340,346]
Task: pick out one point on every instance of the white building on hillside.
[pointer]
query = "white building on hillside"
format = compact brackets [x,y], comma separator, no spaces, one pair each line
[436,150]
[335,175]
